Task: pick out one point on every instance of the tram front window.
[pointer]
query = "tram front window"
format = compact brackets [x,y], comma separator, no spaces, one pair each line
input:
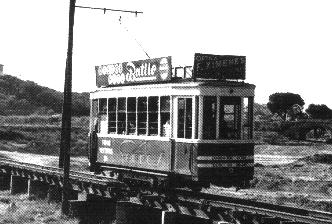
[221,117]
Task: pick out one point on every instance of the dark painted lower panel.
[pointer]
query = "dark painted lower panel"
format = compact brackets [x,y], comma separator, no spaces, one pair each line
[144,154]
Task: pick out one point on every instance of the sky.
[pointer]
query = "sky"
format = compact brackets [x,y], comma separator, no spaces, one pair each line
[287,43]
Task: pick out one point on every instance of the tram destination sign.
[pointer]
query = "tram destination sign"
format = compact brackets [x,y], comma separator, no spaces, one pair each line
[143,71]
[210,66]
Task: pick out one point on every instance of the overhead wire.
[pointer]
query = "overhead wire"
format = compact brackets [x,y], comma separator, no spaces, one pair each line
[107,9]
[120,21]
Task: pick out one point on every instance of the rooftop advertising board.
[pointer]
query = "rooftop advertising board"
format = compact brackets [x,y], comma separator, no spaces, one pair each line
[209,66]
[143,71]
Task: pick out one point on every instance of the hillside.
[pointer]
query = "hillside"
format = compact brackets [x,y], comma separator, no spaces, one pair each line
[19,97]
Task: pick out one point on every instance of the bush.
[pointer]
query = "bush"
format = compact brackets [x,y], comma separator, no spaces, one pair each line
[274,138]
[11,135]
[270,181]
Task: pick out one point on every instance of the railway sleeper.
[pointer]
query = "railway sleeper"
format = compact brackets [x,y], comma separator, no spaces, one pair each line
[269,220]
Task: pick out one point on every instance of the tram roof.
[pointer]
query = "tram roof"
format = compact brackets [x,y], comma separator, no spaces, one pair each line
[184,82]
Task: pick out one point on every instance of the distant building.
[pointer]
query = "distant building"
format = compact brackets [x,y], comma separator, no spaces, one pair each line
[1,69]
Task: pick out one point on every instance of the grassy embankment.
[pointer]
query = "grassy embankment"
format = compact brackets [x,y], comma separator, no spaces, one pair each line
[38,135]
[17,209]
[41,134]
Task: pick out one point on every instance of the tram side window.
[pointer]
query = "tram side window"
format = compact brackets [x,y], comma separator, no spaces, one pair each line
[184,118]
[229,121]
[112,115]
[209,117]
[102,106]
[121,115]
[153,115]
[141,115]
[94,116]
[131,115]
[102,116]
[165,127]
[247,129]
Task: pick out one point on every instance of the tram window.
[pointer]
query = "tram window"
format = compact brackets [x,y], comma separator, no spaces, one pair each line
[102,106]
[248,118]
[112,115]
[209,117]
[94,126]
[131,115]
[141,115]
[229,117]
[165,116]
[121,115]
[184,118]
[153,115]
[94,109]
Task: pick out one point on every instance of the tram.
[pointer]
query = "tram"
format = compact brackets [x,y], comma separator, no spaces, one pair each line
[184,126]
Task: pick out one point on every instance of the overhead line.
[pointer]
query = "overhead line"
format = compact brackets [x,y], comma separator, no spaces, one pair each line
[107,9]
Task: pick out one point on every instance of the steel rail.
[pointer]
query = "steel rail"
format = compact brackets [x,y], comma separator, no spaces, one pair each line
[75,175]
[262,208]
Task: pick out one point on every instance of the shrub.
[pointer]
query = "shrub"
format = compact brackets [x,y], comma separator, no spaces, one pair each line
[274,138]
[271,181]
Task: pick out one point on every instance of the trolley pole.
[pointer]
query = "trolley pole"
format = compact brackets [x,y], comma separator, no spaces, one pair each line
[64,160]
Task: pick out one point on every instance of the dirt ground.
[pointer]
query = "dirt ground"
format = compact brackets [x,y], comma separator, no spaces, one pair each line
[304,180]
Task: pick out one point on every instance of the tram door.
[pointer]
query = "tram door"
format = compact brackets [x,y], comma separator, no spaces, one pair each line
[183,118]
[183,121]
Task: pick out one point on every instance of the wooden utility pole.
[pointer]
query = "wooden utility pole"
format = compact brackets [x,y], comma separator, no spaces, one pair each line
[64,160]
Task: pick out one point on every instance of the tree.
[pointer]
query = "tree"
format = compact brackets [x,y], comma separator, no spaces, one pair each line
[319,111]
[281,103]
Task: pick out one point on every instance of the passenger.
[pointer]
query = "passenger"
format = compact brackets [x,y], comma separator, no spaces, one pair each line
[166,129]
[132,128]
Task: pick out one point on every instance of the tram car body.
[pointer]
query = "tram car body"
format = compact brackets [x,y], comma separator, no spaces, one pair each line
[181,131]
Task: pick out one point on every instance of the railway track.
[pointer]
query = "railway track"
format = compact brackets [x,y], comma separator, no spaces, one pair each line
[255,209]
[79,181]
[207,207]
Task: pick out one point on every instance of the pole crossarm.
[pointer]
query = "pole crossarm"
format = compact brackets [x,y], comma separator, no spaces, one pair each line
[106,9]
